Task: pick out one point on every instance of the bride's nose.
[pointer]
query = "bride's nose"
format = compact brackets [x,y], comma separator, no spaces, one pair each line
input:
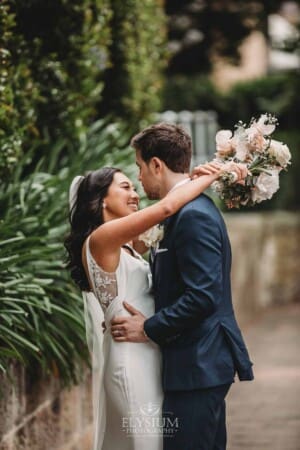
[135,195]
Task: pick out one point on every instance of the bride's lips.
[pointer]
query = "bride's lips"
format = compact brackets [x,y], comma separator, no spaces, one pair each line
[133,205]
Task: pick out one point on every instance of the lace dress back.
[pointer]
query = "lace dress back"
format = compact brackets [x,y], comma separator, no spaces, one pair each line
[104,283]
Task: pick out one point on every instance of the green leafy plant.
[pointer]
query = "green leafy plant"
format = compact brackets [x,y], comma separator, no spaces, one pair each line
[53,57]
[41,311]
[138,57]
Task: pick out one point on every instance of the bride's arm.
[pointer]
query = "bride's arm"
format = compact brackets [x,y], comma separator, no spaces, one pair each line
[198,171]
[110,236]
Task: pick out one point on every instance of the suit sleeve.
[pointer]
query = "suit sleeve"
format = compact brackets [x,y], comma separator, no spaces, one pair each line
[199,255]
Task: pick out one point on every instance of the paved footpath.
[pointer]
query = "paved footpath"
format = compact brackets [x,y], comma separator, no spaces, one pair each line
[265,414]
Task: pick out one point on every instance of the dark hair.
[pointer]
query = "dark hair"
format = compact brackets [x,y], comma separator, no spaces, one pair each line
[85,216]
[168,142]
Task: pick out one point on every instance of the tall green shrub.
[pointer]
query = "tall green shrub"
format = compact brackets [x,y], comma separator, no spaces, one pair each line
[18,92]
[41,310]
[138,57]
[54,54]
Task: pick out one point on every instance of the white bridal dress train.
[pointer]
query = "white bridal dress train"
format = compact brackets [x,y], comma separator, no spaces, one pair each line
[127,393]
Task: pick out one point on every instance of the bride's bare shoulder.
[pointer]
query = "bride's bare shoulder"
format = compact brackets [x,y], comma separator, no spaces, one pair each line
[106,256]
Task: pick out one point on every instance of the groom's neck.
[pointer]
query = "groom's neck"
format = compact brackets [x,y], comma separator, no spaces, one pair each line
[171,180]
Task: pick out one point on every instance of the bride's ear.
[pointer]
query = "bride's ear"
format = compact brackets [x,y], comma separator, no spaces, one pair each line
[156,165]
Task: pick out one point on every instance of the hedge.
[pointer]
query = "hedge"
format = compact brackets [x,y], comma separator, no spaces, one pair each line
[57,58]
[55,55]
[138,57]
[54,70]
[41,310]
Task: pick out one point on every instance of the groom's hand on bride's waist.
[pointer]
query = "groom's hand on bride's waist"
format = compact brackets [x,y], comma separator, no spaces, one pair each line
[129,329]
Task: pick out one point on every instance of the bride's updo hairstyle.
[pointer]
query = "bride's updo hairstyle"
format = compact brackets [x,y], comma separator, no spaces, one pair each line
[85,216]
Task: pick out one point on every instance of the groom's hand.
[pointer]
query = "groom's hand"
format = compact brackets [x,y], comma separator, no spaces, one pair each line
[129,329]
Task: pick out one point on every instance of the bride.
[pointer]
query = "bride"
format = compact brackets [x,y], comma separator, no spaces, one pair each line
[105,264]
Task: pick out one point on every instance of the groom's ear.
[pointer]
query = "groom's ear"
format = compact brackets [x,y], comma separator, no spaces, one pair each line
[156,164]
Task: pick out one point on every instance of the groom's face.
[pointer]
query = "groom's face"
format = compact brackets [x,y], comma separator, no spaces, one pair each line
[148,177]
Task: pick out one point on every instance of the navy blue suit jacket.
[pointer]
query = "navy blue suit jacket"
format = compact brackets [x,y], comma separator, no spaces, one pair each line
[194,322]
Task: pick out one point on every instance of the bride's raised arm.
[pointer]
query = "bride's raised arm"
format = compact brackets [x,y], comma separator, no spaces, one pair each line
[110,236]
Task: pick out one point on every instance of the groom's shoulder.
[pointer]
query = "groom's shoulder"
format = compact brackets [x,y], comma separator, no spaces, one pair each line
[202,204]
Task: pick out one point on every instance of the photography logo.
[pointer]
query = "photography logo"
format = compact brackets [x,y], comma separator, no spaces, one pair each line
[147,420]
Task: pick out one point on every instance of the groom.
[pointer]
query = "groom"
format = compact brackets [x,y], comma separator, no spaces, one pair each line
[194,324]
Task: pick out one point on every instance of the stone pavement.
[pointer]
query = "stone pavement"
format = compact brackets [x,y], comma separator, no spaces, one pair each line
[265,414]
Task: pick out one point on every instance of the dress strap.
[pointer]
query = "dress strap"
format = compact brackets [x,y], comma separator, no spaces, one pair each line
[128,247]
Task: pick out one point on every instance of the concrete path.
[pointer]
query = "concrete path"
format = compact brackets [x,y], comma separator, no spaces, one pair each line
[265,414]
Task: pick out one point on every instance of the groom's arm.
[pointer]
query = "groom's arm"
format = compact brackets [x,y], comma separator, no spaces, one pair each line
[198,248]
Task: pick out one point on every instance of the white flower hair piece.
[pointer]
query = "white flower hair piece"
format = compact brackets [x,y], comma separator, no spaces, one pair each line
[74,190]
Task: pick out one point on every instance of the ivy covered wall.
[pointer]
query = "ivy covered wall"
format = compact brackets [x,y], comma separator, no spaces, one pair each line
[65,63]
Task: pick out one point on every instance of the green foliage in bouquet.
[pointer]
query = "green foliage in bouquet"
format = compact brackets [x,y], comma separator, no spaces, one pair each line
[138,57]
[41,310]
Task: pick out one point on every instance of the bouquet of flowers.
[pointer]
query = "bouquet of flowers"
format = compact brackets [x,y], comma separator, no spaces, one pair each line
[263,156]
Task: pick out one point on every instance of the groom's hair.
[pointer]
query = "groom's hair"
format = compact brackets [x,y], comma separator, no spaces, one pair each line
[169,142]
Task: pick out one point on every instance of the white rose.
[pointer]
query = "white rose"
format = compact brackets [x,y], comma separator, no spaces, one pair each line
[280,152]
[265,129]
[260,127]
[224,143]
[266,186]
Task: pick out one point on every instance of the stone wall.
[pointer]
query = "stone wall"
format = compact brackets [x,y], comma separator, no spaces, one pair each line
[35,414]
[266,260]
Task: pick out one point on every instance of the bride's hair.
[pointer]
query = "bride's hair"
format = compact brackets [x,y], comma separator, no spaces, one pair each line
[85,216]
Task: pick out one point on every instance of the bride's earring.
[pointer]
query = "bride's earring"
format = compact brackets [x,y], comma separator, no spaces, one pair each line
[103,205]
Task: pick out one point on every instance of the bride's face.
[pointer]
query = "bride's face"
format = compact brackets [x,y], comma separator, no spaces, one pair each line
[122,198]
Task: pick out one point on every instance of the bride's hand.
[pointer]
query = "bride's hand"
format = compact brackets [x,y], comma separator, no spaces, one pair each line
[238,169]
[210,168]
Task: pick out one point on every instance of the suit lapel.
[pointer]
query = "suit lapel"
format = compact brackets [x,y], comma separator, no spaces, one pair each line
[153,255]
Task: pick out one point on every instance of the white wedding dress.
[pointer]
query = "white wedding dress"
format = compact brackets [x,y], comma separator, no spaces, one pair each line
[127,393]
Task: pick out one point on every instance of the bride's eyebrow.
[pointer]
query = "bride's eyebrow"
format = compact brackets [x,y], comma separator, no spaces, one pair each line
[126,183]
